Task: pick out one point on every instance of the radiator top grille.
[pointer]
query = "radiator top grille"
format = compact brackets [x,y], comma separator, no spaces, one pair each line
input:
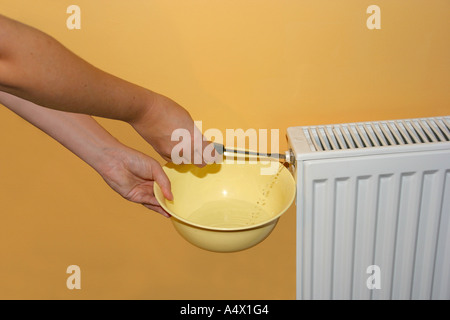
[378,134]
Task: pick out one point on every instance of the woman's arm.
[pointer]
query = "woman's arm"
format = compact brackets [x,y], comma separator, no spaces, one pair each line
[37,68]
[127,171]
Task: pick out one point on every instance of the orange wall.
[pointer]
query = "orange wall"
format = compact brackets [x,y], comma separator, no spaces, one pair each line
[262,64]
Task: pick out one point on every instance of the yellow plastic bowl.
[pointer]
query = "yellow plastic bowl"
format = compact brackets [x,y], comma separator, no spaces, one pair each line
[226,207]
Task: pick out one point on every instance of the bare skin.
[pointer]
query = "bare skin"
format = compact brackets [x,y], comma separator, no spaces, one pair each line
[127,171]
[58,92]
[37,68]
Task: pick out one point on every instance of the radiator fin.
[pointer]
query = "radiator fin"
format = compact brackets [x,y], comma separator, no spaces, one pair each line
[378,134]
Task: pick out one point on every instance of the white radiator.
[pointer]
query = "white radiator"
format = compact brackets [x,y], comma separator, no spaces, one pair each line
[373,194]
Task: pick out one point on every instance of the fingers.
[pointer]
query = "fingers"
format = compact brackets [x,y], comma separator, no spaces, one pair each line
[203,151]
[146,197]
[148,200]
[157,209]
[162,180]
[210,154]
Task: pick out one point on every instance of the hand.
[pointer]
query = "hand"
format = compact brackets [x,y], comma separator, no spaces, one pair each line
[127,171]
[157,124]
[132,175]
[74,85]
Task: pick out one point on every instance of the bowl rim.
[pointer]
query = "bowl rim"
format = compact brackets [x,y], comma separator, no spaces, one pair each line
[161,202]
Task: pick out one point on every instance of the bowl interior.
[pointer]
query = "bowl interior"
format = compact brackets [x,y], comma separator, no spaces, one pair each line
[228,195]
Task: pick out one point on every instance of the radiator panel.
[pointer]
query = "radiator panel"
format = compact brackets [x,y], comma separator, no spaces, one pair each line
[389,210]
[441,279]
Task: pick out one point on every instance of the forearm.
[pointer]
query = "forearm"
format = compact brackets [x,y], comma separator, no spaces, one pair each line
[79,133]
[127,171]
[38,68]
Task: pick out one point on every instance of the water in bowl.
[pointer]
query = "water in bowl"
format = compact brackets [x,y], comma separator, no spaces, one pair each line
[229,213]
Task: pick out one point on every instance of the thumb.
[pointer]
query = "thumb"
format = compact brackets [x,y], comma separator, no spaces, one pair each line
[160,177]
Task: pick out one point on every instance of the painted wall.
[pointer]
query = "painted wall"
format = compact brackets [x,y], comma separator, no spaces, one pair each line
[261,64]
